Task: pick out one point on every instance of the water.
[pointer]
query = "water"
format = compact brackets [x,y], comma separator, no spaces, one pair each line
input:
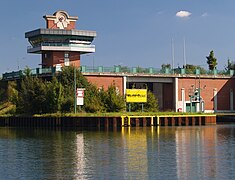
[206,152]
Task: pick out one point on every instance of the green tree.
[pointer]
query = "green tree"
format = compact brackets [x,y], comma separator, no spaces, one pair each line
[55,96]
[66,78]
[141,70]
[191,69]
[230,65]
[164,66]
[112,100]
[92,100]
[123,68]
[211,61]
[12,92]
[152,103]
[32,96]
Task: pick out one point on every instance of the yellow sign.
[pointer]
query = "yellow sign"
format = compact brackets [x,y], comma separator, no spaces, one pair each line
[136,95]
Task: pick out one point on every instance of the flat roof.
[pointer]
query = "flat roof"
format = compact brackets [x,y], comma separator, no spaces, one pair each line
[73,32]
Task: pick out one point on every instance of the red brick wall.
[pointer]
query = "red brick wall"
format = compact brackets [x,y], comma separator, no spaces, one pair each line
[57,57]
[52,25]
[208,85]
[106,81]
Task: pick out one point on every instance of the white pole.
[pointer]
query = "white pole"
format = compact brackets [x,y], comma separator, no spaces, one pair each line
[173,54]
[184,54]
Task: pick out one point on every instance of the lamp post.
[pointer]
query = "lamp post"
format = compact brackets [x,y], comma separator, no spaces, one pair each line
[18,62]
[93,61]
[75,91]
[191,95]
[199,94]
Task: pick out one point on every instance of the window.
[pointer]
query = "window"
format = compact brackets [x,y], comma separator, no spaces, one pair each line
[66,55]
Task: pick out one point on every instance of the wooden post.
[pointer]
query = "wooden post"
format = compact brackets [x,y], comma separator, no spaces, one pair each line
[199,121]
[187,121]
[152,123]
[129,121]
[180,121]
[123,121]
[137,122]
[98,123]
[158,121]
[165,121]
[173,120]
[114,123]
[144,122]
[106,123]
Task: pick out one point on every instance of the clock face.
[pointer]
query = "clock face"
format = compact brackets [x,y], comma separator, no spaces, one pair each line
[62,18]
[61,21]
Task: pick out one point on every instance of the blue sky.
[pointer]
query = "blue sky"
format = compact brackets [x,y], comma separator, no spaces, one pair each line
[129,32]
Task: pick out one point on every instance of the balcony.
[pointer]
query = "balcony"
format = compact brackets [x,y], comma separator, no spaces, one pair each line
[83,48]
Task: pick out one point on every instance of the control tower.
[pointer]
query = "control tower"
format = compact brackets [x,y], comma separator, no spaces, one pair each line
[60,43]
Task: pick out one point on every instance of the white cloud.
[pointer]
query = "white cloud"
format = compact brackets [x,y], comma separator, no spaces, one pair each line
[205,14]
[183,14]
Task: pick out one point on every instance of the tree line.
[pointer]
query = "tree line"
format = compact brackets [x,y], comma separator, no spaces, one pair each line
[34,95]
[211,62]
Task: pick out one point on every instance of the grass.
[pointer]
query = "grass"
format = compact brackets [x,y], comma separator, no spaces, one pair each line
[8,109]
[118,114]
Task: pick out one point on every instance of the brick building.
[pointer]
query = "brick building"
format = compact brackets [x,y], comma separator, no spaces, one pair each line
[61,44]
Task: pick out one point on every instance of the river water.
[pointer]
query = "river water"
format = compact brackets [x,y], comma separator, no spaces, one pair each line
[206,152]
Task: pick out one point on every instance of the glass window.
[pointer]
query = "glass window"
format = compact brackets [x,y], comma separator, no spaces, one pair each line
[66,55]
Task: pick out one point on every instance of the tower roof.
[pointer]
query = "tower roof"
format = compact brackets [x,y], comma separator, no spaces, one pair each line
[60,20]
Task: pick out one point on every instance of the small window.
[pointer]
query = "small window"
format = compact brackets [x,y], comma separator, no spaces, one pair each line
[66,55]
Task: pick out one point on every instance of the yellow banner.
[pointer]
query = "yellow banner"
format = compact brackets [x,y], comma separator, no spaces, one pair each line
[136,95]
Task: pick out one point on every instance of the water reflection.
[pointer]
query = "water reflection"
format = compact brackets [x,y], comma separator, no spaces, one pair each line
[195,152]
[131,153]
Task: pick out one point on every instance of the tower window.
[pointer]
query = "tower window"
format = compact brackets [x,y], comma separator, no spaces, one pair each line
[66,55]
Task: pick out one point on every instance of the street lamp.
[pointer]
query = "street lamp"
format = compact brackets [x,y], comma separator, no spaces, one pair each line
[75,91]
[18,62]
[191,95]
[93,61]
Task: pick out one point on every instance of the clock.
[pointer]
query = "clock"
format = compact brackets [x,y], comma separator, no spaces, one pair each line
[61,20]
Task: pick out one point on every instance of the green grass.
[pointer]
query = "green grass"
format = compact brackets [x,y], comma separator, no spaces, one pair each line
[8,109]
[118,114]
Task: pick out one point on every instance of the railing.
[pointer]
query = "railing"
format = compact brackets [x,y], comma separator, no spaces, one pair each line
[62,45]
[135,70]
[37,71]
[119,69]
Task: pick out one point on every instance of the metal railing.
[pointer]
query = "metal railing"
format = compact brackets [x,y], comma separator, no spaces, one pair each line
[119,69]
[37,71]
[139,70]
[62,45]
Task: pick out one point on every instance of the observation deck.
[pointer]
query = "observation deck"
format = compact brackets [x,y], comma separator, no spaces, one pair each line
[60,40]
[60,43]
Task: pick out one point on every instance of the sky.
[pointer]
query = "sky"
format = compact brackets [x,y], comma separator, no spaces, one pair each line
[129,32]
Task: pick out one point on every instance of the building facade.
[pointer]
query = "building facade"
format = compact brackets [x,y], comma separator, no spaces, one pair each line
[176,92]
[61,44]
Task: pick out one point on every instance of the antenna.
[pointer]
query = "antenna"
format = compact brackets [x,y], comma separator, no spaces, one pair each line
[184,54]
[173,54]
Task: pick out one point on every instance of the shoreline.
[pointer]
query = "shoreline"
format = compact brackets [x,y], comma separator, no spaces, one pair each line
[111,121]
